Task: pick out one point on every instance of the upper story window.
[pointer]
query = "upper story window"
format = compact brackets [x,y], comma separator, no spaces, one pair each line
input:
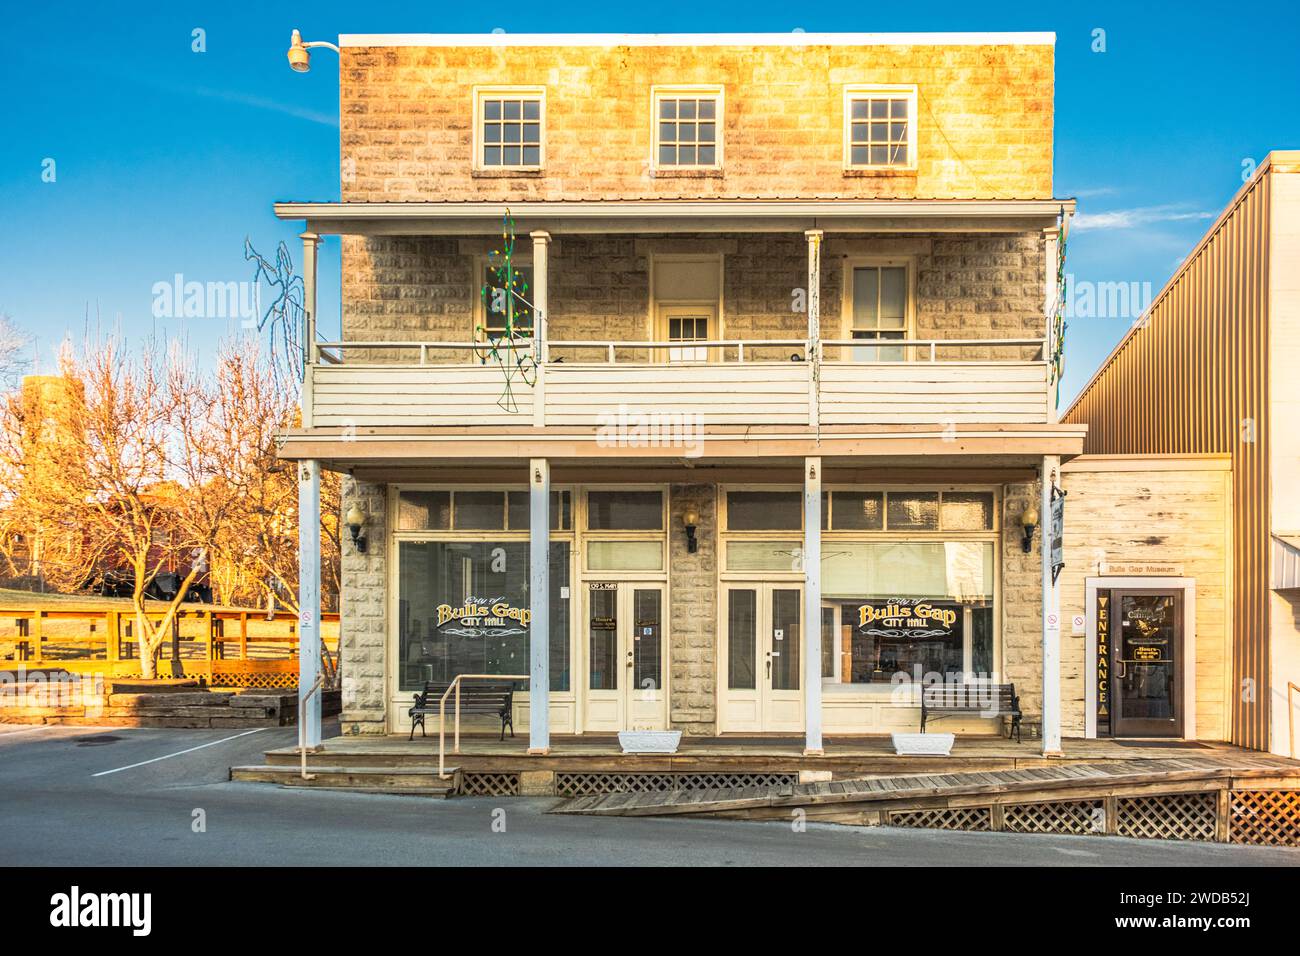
[880,127]
[503,309]
[879,307]
[508,128]
[687,127]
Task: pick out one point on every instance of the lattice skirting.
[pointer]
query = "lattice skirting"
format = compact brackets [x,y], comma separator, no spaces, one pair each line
[1077,817]
[585,784]
[244,679]
[489,784]
[1265,817]
[955,818]
[1177,816]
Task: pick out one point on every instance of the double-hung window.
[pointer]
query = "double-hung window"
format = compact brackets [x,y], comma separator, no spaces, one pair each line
[879,306]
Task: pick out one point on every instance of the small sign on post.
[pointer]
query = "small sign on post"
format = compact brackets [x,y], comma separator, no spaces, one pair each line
[1057,532]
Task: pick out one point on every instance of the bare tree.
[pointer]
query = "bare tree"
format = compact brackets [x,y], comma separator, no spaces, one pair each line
[14,343]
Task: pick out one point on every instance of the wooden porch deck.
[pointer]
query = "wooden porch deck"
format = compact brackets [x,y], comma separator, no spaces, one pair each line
[844,756]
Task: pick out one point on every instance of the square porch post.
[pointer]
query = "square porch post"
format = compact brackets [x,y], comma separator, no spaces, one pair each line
[1051,616]
[541,251]
[812,596]
[539,602]
[309,663]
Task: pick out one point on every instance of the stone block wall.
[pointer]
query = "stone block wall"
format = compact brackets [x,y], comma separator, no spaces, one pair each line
[693,597]
[984,127]
[967,286]
[363,615]
[1022,602]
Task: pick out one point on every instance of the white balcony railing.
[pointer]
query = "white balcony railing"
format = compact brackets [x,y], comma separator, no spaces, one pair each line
[727,382]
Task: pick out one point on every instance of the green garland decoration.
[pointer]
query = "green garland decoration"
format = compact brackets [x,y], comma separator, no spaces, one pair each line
[1056,361]
[506,292]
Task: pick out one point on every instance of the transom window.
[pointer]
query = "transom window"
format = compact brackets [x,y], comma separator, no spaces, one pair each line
[686,130]
[880,128]
[510,130]
[845,510]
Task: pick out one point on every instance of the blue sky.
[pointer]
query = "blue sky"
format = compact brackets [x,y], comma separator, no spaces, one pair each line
[166,158]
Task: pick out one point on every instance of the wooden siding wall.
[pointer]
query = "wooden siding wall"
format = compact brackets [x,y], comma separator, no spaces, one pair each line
[1192,378]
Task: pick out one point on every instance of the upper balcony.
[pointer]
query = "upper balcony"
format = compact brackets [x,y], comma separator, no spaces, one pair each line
[924,318]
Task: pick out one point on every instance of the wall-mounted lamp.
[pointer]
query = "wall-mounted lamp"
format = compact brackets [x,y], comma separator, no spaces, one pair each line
[299,55]
[691,519]
[355,519]
[1028,521]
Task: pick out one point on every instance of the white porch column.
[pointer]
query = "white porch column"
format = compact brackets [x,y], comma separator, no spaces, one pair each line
[539,601]
[814,237]
[541,253]
[1051,615]
[812,597]
[309,652]
[310,241]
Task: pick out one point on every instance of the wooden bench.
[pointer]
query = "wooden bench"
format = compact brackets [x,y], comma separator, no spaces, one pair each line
[981,699]
[494,698]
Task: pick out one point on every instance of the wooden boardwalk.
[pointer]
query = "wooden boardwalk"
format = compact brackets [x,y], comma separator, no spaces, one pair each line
[850,799]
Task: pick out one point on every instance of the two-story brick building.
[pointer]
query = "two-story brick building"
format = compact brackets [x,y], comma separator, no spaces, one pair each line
[758,432]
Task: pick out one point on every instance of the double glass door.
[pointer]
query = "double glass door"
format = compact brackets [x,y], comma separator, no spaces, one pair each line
[762,659]
[1146,663]
[624,643]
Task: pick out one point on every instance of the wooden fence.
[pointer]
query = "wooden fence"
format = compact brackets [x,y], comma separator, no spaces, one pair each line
[225,648]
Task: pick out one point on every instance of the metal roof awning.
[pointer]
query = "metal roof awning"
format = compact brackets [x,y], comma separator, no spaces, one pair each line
[1286,562]
[640,215]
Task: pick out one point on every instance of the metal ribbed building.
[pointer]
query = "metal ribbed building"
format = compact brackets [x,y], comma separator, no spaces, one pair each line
[1211,368]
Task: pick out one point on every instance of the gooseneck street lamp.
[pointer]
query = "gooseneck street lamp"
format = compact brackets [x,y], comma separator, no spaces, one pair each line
[300,52]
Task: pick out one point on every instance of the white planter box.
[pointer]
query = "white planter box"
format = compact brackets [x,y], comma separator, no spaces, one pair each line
[939,745]
[650,741]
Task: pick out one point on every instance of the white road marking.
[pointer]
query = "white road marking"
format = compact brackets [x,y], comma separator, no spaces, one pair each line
[29,730]
[213,743]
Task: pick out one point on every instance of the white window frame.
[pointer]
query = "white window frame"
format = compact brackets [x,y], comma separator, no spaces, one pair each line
[846,297]
[858,91]
[482,93]
[658,93]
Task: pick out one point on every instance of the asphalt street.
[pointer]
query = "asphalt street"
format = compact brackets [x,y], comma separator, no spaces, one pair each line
[77,796]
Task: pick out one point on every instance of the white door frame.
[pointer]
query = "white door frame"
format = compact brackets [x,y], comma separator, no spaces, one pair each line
[1091,586]
[764,696]
[649,711]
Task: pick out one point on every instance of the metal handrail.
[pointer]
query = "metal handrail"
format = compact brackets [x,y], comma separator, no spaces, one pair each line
[303,699]
[442,713]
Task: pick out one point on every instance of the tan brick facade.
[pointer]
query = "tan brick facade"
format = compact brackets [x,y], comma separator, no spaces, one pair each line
[984,130]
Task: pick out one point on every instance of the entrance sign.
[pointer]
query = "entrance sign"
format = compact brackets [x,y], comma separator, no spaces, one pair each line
[1103,663]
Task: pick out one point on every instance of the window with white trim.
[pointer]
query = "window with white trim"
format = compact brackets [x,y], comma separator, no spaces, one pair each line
[687,128]
[880,127]
[509,129]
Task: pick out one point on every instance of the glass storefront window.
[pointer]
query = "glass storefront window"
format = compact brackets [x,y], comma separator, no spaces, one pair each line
[764,555]
[913,511]
[764,510]
[625,555]
[476,510]
[856,511]
[625,511]
[463,608]
[966,511]
[923,610]
[424,511]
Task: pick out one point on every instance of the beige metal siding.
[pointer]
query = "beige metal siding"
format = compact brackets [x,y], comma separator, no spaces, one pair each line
[1192,378]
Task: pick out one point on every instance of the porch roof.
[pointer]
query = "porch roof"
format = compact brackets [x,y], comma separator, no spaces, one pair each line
[630,215]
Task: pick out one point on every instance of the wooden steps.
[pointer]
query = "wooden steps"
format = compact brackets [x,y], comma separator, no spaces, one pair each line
[406,781]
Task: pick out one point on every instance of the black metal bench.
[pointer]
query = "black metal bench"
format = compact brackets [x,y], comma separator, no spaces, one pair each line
[982,699]
[493,698]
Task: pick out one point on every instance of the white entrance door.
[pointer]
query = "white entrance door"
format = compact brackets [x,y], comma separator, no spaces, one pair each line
[624,643]
[763,647]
